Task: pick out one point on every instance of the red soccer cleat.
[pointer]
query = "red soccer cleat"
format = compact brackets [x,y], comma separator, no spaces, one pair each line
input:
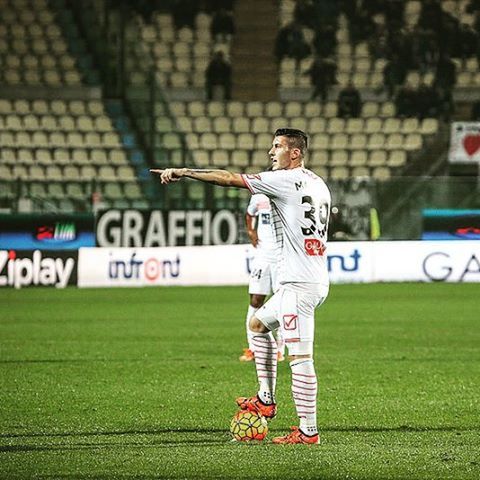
[247,355]
[297,437]
[254,404]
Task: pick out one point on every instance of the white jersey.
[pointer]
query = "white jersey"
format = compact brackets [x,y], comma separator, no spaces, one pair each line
[259,207]
[300,205]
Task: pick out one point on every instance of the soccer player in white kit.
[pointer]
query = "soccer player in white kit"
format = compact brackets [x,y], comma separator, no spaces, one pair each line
[263,271]
[301,205]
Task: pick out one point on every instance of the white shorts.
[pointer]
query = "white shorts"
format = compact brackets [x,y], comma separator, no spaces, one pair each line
[263,278]
[293,312]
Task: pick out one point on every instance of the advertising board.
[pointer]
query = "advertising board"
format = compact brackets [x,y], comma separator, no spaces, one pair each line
[26,268]
[158,228]
[348,262]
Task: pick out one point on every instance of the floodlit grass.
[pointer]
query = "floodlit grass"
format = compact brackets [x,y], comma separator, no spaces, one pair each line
[140,383]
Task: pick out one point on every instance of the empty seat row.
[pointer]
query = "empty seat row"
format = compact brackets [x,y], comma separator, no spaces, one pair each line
[34,29]
[263,141]
[379,166]
[260,160]
[82,190]
[70,172]
[41,139]
[34,62]
[53,78]
[49,123]
[54,107]
[14,13]
[359,141]
[289,109]
[63,156]
[358,158]
[203,124]
[198,50]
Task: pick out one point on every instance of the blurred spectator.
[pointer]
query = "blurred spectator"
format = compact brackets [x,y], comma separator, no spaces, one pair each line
[184,13]
[394,14]
[349,103]
[446,104]
[378,42]
[467,41]
[290,42]
[361,27]
[400,45]
[472,6]
[445,73]
[338,228]
[394,74]
[475,115]
[448,32]
[406,101]
[428,102]
[212,6]
[430,14]
[424,48]
[325,12]
[218,74]
[222,26]
[322,72]
[145,8]
[325,41]
[303,13]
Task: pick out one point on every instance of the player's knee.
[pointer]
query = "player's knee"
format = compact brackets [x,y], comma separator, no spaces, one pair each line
[300,350]
[256,301]
[256,326]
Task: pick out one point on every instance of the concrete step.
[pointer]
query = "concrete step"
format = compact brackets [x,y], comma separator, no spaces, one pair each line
[254,69]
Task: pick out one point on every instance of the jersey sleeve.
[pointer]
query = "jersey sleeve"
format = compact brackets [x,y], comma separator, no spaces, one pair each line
[271,184]
[252,208]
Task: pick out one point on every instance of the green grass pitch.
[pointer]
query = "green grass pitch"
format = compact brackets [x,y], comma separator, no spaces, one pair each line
[140,383]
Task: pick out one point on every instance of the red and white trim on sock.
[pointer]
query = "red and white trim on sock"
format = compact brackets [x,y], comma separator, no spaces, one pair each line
[265,349]
[304,390]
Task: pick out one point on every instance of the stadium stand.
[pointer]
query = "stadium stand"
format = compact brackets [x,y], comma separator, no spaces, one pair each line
[159,116]
[54,150]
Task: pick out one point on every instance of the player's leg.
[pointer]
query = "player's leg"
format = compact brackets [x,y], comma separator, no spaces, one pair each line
[258,288]
[280,345]
[274,285]
[256,301]
[297,313]
[265,348]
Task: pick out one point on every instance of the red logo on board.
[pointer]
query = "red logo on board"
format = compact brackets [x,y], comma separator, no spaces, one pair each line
[471,143]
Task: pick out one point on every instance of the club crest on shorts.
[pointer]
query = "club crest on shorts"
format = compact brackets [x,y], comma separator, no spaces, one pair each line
[290,322]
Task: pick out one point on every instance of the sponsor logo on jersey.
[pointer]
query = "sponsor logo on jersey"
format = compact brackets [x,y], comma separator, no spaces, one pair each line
[314,247]
[253,176]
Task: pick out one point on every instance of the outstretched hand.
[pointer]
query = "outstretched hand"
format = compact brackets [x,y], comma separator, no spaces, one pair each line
[167,175]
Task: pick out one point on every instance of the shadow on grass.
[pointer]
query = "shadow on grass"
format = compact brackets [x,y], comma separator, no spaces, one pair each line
[209,437]
[173,431]
[102,445]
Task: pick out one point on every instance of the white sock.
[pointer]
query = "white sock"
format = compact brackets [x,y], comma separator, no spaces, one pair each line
[304,389]
[250,312]
[265,350]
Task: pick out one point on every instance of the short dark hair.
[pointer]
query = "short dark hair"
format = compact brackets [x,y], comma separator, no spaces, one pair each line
[298,138]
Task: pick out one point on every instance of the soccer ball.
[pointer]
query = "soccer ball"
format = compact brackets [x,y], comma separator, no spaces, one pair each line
[246,426]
